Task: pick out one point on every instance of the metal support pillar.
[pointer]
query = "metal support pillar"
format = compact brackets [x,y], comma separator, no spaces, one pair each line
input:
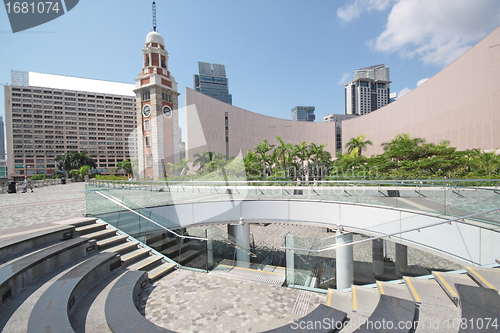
[290,260]
[344,261]
[402,257]
[240,233]
[378,257]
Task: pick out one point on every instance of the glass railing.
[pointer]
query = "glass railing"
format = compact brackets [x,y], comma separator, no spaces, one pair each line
[466,210]
[438,245]
[197,248]
[450,197]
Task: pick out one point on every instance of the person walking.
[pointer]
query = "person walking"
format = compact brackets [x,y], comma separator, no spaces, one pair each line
[27,182]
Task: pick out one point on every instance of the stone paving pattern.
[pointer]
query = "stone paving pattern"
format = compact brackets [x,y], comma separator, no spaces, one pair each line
[46,204]
[188,301]
[202,302]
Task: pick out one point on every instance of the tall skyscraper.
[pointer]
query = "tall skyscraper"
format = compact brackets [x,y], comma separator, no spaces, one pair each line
[3,162]
[48,115]
[2,138]
[368,91]
[212,81]
[303,113]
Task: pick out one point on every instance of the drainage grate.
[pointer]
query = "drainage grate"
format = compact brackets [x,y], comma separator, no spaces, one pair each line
[302,303]
[181,275]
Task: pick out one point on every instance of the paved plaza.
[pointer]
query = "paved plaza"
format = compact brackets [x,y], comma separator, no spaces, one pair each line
[182,301]
[188,301]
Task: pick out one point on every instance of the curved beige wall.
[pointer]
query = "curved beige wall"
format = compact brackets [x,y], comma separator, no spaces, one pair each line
[460,104]
[205,128]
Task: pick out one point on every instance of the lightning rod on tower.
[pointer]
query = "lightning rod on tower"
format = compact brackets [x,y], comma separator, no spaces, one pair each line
[154,16]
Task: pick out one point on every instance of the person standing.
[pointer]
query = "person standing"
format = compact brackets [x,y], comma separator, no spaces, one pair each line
[27,182]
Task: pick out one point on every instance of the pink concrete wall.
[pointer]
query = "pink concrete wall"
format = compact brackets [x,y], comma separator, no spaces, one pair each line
[246,129]
[460,104]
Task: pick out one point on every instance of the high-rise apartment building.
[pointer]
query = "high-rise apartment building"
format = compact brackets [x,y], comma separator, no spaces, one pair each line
[212,81]
[368,91]
[48,115]
[2,139]
[303,113]
[3,162]
[337,119]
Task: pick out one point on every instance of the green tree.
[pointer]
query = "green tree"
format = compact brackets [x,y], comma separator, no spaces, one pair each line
[357,144]
[125,166]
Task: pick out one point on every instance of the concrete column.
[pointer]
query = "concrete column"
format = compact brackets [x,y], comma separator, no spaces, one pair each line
[344,261]
[290,260]
[241,234]
[378,257]
[402,257]
[210,253]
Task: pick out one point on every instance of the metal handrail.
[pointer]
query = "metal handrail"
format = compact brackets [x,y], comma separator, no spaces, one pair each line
[117,202]
[392,234]
[415,182]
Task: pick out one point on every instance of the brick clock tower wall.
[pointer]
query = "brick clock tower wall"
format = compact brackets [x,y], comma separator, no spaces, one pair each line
[158,131]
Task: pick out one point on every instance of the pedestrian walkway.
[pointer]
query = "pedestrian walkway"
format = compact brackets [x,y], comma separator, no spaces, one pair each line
[183,301]
[46,204]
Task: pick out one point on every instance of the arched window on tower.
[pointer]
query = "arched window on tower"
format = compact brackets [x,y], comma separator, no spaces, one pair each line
[146,60]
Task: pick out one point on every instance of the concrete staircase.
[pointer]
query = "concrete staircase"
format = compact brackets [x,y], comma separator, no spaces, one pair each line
[62,284]
[442,302]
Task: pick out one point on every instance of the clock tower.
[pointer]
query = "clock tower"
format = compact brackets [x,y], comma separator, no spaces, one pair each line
[158,131]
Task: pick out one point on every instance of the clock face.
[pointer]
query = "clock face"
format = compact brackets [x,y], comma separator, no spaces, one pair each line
[167,111]
[146,111]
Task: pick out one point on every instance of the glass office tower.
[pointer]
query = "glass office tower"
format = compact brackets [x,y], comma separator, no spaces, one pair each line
[212,81]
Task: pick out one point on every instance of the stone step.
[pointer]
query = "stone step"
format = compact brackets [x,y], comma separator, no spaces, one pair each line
[146,263]
[480,308]
[158,245]
[90,228]
[485,277]
[16,312]
[123,248]
[161,270]
[134,256]
[427,291]
[399,290]
[364,299]
[111,241]
[173,249]
[447,281]
[102,234]
[80,221]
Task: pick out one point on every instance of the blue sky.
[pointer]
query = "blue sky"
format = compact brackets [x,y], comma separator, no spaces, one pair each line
[278,53]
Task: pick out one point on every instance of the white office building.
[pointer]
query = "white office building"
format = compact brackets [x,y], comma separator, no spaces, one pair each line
[368,91]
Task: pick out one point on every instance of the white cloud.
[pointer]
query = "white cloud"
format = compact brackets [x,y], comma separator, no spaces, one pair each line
[403,92]
[344,79]
[353,10]
[437,32]
[422,81]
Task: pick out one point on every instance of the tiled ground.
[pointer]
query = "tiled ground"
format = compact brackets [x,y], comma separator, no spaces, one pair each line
[200,302]
[46,204]
[188,301]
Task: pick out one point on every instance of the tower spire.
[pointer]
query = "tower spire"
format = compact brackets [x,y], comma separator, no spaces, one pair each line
[154,16]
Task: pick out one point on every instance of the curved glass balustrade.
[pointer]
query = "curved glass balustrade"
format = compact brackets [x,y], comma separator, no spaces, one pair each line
[315,268]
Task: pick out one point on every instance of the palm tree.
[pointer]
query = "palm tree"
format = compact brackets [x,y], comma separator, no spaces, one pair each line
[283,152]
[357,145]
[302,153]
[261,149]
[319,157]
[64,162]
[74,160]
[126,166]
[202,159]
